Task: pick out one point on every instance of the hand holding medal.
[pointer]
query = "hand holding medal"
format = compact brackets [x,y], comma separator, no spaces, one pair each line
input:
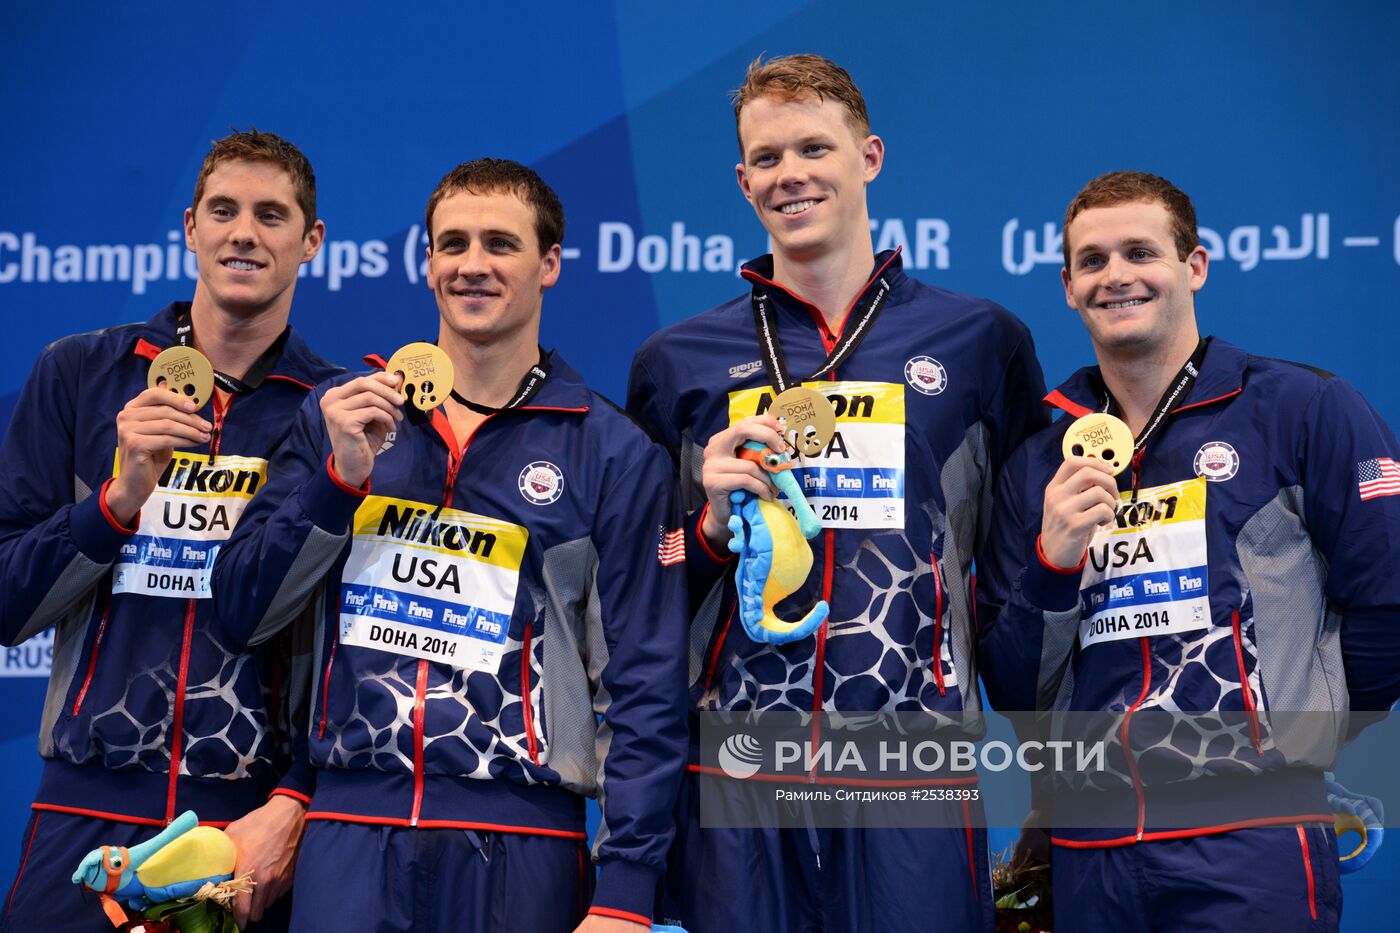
[359,414]
[155,423]
[1083,495]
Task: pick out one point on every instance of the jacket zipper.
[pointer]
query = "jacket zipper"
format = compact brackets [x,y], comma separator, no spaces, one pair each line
[220,412]
[828,570]
[96,645]
[420,692]
[819,671]
[177,725]
[326,689]
[937,626]
[420,696]
[1123,737]
[1146,650]
[1250,709]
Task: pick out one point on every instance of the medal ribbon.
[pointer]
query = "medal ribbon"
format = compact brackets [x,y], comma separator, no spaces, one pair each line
[776,363]
[184,335]
[529,387]
[1171,400]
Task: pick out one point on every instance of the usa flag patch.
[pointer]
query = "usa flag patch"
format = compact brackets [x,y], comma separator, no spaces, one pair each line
[670,546]
[1379,477]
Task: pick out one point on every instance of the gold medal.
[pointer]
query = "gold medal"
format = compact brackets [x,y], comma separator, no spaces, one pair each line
[1103,436]
[808,421]
[426,372]
[184,371]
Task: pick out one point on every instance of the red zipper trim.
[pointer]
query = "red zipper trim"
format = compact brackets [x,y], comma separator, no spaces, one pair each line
[10,904]
[971,851]
[220,412]
[819,669]
[1209,401]
[326,689]
[420,694]
[814,310]
[296,382]
[937,626]
[1307,868]
[96,645]
[1063,402]
[525,695]
[1251,711]
[828,570]
[1123,738]
[712,665]
[582,902]
[1137,478]
[177,726]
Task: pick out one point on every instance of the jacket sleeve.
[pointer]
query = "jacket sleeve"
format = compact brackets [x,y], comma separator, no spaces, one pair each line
[1347,453]
[651,404]
[1027,610]
[1017,410]
[288,537]
[57,538]
[636,643]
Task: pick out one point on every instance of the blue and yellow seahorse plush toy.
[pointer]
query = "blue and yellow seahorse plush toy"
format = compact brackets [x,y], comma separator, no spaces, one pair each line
[174,865]
[774,556]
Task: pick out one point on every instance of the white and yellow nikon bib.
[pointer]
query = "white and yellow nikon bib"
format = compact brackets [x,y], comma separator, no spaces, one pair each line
[1146,574]
[429,583]
[857,481]
[190,515]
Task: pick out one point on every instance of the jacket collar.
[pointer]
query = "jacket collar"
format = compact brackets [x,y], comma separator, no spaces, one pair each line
[760,273]
[296,363]
[1222,375]
[564,390]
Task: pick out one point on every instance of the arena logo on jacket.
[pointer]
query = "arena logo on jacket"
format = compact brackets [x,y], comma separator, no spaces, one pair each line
[1145,575]
[857,481]
[431,583]
[196,504]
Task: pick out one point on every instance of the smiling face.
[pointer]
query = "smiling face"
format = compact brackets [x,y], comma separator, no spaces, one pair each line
[251,238]
[1126,279]
[486,267]
[804,170]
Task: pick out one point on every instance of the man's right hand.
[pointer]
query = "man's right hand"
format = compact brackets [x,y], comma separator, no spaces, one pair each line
[359,415]
[149,428]
[1081,497]
[724,472]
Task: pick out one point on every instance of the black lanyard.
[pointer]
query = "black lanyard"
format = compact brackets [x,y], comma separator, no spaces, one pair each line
[529,386]
[773,359]
[184,336]
[1171,400]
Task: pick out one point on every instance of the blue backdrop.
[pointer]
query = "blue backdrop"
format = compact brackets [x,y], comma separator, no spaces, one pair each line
[1279,118]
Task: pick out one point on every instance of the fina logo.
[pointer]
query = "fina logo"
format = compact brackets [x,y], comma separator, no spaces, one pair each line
[1216,461]
[740,756]
[926,375]
[541,482]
